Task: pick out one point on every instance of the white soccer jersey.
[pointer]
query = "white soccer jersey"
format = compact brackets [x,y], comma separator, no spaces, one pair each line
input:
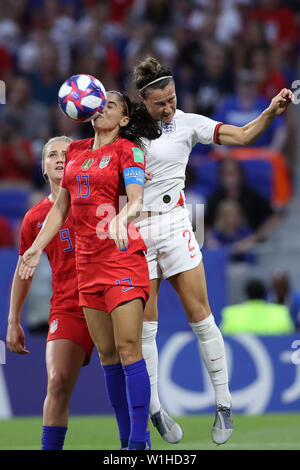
[167,157]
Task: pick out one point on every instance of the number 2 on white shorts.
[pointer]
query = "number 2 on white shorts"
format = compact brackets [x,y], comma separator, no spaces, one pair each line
[190,247]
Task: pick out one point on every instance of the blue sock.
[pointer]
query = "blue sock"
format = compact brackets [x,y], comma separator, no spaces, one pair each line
[138,397]
[116,392]
[53,437]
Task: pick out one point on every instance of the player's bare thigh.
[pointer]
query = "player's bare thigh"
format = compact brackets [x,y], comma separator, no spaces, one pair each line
[151,310]
[65,355]
[100,326]
[191,287]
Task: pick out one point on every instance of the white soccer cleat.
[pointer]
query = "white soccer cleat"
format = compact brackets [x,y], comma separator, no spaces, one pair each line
[169,430]
[223,425]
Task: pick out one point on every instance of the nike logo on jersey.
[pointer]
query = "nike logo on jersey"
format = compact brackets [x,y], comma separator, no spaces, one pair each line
[71,161]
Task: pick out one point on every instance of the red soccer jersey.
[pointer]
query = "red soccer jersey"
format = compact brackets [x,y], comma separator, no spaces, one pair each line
[61,254]
[95,182]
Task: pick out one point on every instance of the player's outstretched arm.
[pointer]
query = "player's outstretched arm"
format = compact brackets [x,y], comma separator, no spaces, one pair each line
[118,226]
[15,338]
[54,221]
[246,135]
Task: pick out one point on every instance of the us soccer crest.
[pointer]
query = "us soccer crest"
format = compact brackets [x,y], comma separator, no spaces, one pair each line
[53,326]
[87,164]
[104,162]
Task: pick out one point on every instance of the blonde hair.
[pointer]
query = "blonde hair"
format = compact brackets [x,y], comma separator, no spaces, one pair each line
[60,138]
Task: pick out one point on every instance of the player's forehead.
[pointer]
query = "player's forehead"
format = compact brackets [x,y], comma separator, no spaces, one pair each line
[56,146]
[161,95]
[113,98]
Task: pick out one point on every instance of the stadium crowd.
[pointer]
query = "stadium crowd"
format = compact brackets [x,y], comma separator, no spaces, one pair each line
[229,57]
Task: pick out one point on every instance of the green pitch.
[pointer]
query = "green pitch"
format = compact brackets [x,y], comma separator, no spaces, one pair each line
[266,432]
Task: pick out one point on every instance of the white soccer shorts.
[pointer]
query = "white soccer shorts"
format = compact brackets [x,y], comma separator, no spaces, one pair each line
[172,246]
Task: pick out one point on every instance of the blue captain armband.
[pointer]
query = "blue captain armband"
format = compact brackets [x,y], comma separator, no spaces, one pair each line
[134,175]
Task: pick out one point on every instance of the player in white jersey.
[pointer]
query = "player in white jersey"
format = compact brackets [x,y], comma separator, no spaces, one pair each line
[173,252]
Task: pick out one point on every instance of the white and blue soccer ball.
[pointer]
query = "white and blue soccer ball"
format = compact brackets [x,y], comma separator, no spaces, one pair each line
[82,97]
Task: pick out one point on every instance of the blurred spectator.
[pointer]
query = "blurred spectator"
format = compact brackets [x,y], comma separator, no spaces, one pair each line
[65,126]
[279,22]
[256,315]
[120,9]
[265,64]
[257,210]
[216,80]
[252,37]
[230,229]
[6,234]
[246,105]
[16,155]
[6,64]
[35,122]
[283,293]
[46,82]
[158,12]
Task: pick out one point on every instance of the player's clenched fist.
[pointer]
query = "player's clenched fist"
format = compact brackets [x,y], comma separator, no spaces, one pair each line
[30,261]
[281,101]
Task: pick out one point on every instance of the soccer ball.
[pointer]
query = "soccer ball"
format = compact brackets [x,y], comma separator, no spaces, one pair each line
[82,97]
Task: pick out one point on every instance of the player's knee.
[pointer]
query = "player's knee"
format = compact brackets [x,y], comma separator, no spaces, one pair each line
[108,357]
[107,353]
[197,310]
[128,351]
[59,386]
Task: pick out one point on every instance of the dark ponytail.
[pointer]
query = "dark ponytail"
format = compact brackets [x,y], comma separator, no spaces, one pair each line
[141,125]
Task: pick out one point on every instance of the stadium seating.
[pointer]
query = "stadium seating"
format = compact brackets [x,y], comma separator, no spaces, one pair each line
[265,170]
[14,201]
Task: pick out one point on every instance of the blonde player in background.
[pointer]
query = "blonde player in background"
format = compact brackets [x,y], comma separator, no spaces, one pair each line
[173,252]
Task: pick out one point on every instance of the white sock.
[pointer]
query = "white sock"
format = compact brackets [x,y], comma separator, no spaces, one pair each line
[150,355]
[212,351]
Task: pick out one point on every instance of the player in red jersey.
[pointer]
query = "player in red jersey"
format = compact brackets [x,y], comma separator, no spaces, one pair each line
[69,345]
[113,277]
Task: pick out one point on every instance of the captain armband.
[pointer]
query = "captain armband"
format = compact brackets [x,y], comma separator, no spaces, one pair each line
[134,175]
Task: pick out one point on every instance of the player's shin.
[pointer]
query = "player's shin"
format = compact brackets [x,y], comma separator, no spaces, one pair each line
[150,354]
[212,351]
[138,396]
[116,392]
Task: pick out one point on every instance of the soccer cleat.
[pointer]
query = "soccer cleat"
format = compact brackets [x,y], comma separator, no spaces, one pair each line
[223,425]
[166,426]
